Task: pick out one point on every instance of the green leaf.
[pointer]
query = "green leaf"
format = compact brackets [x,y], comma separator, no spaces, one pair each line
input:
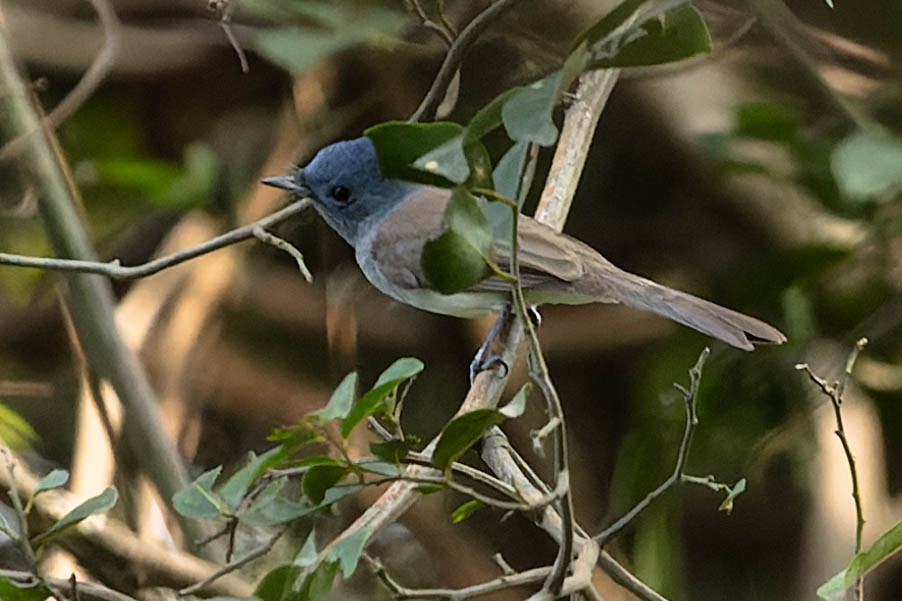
[461,433]
[868,165]
[10,590]
[429,489]
[372,402]
[393,451]
[527,114]
[55,479]
[448,161]
[99,504]
[341,400]
[464,511]
[277,585]
[889,543]
[402,369]
[737,489]
[308,554]
[238,484]
[605,28]
[506,178]
[456,260]
[676,35]
[488,118]
[197,500]
[296,436]
[15,431]
[336,26]
[320,478]
[380,468]
[348,550]
[400,144]
[318,585]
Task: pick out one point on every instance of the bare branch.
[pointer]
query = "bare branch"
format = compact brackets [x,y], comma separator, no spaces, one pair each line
[119,272]
[455,55]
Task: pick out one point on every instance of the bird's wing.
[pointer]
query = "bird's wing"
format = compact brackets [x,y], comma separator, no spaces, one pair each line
[397,247]
[546,257]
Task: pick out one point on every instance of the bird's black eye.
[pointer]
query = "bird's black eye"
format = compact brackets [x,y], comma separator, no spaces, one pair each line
[340,194]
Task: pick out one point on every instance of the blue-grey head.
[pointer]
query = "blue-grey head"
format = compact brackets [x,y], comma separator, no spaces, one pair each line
[346,185]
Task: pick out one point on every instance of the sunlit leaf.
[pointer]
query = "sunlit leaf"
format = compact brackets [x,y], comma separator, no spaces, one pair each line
[889,543]
[99,504]
[197,499]
[237,485]
[372,402]
[348,550]
[341,400]
[54,479]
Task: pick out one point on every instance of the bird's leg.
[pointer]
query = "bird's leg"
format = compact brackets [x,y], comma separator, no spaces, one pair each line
[487,357]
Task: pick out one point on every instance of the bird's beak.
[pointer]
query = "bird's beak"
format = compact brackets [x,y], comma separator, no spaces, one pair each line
[285,182]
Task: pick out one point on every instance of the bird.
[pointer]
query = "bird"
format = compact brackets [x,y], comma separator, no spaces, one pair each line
[388,221]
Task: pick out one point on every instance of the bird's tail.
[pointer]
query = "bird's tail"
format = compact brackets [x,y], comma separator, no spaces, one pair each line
[732,327]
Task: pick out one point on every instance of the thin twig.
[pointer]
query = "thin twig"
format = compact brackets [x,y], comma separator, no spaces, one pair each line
[237,563]
[834,391]
[461,45]
[116,271]
[539,372]
[441,27]
[689,398]
[86,86]
[624,578]
[269,238]
[501,583]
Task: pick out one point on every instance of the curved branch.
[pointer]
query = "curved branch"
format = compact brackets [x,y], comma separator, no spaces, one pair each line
[463,43]
[129,272]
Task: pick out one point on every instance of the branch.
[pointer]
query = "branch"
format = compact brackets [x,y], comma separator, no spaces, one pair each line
[89,82]
[834,391]
[119,272]
[92,301]
[103,543]
[689,397]
[463,43]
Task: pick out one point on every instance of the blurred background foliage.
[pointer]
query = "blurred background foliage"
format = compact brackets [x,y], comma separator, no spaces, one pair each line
[765,177]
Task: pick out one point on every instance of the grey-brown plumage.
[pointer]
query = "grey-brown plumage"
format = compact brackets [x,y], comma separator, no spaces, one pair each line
[554,268]
[388,222]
